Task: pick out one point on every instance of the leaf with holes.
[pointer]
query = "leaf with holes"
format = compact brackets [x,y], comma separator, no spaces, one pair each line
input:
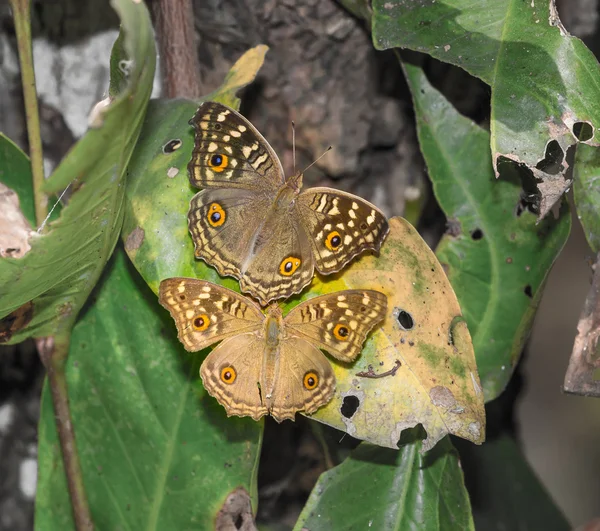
[586,192]
[379,488]
[156,451]
[63,264]
[419,366]
[495,254]
[545,94]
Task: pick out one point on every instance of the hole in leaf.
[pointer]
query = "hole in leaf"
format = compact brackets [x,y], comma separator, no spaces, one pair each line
[239,522]
[172,145]
[412,435]
[553,159]
[404,319]
[477,234]
[583,131]
[349,406]
[528,291]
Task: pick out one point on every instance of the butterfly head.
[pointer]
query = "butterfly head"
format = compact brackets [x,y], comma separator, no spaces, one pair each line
[295,182]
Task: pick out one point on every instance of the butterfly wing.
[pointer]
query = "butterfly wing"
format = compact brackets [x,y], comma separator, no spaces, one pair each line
[338,322]
[304,381]
[339,226]
[232,372]
[280,260]
[223,224]
[230,153]
[205,313]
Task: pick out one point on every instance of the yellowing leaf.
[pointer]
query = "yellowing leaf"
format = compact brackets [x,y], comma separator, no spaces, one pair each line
[423,346]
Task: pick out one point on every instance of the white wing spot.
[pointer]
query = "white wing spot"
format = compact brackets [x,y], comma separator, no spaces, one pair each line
[222,116]
[235,134]
[241,128]
[212,147]
[347,239]
[354,205]
[189,314]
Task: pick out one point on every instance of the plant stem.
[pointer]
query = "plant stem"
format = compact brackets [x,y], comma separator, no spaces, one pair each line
[22,18]
[174,23]
[53,352]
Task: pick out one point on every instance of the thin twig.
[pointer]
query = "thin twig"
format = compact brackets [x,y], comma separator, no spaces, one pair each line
[174,23]
[53,352]
[22,18]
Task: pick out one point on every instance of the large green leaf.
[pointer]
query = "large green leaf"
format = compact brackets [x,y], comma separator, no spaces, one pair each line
[505,492]
[379,488]
[544,82]
[64,264]
[155,450]
[495,254]
[586,191]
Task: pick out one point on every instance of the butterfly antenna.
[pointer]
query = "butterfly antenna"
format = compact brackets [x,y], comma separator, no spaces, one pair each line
[318,159]
[294,145]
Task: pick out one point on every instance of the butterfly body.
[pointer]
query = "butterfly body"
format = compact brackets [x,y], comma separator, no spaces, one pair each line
[251,223]
[270,364]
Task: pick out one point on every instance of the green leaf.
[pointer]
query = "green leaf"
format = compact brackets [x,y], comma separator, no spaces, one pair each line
[496,257]
[505,492]
[586,192]
[64,264]
[545,90]
[379,488]
[156,451]
[15,172]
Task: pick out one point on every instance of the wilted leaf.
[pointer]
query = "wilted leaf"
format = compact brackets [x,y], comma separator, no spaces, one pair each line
[495,255]
[378,488]
[545,94]
[423,346]
[63,265]
[157,452]
[15,173]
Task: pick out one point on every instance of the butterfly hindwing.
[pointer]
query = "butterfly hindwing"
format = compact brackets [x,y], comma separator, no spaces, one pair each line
[338,322]
[229,152]
[223,227]
[340,226]
[205,313]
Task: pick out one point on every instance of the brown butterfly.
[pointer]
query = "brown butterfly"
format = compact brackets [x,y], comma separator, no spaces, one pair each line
[270,363]
[251,223]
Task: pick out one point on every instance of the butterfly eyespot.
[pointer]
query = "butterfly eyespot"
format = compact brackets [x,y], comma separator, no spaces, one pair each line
[201,322]
[181,297]
[289,266]
[311,380]
[216,215]
[217,127]
[341,332]
[218,162]
[228,374]
[333,240]
[363,226]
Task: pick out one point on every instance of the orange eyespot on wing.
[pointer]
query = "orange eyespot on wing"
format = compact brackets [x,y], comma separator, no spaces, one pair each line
[333,241]
[289,265]
[228,374]
[201,322]
[341,332]
[310,380]
[216,215]
[218,162]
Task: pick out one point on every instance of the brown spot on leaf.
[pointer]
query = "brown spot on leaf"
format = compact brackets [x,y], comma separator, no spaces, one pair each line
[15,321]
[15,230]
[236,513]
[135,239]
[442,397]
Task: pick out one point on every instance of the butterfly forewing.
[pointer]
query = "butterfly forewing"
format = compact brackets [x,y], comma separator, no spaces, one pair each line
[338,322]
[230,152]
[205,313]
[339,226]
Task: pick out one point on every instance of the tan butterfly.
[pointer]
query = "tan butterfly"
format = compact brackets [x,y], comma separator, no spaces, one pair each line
[269,363]
[251,223]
